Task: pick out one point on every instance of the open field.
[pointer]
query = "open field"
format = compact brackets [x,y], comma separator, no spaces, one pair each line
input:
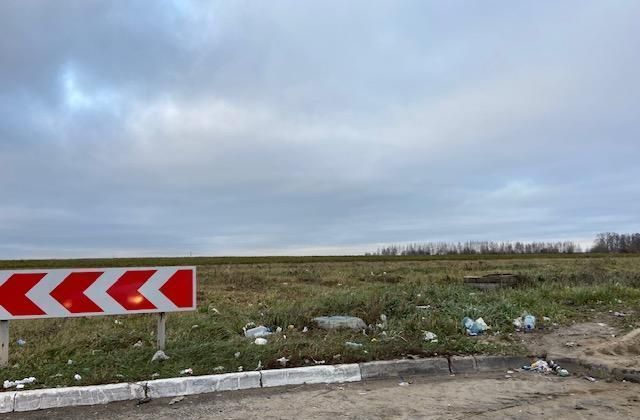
[290,291]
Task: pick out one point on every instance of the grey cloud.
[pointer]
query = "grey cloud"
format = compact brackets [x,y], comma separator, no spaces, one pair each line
[285,127]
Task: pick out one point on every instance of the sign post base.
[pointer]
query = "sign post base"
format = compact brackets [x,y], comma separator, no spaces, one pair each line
[161,333]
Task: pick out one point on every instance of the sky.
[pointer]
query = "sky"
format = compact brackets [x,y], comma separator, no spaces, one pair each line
[170,128]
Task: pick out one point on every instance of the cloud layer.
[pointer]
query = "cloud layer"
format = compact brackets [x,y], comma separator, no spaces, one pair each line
[218,128]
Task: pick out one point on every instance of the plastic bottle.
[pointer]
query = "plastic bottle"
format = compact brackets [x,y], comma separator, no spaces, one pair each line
[467,323]
[529,323]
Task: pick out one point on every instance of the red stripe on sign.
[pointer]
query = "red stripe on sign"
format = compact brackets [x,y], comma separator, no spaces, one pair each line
[13,294]
[179,288]
[126,292]
[70,293]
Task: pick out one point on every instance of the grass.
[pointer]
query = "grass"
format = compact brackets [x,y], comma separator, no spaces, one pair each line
[283,292]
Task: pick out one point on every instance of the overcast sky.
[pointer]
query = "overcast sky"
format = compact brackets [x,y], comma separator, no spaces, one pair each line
[314,127]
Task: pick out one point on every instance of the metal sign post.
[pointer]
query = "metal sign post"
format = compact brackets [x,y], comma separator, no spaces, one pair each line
[4,343]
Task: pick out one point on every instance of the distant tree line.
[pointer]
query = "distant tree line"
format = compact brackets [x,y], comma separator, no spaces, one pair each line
[479,247]
[617,243]
[608,242]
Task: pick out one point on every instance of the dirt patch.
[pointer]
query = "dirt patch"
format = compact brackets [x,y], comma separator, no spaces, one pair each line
[593,342]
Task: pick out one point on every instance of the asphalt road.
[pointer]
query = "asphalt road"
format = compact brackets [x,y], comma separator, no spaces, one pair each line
[520,396]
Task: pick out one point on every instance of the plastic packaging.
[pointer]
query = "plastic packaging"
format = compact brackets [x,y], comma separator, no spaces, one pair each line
[529,322]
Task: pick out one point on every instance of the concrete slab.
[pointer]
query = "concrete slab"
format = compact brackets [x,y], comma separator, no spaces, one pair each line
[162,388]
[40,399]
[6,402]
[311,375]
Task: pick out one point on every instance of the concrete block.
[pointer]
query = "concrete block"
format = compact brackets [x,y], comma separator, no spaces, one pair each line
[461,365]
[311,375]
[171,387]
[392,368]
[500,363]
[6,401]
[41,399]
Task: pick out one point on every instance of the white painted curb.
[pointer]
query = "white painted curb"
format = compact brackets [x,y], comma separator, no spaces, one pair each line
[6,402]
[162,388]
[311,375]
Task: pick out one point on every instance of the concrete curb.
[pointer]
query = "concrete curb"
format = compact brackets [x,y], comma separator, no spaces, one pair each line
[161,388]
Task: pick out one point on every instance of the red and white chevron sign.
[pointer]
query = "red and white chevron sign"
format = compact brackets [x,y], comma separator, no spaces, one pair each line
[93,292]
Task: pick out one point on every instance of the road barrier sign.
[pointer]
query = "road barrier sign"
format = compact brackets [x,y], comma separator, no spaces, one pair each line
[93,292]
[31,294]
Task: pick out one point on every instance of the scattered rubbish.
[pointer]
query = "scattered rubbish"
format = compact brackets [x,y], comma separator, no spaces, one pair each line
[77,377]
[529,322]
[256,332]
[476,327]
[21,342]
[526,322]
[571,344]
[159,356]
[240,368]
[403,383]
[283,361]
[337,322]
[212,309]
[259,367]
[195,326]
[352,345]
[291,327]
[279,330]
[236,355]
[305,330]
[119,375]
[590,379]
[510,372]
[23,382]
[618,300]
[430,337]
[117,322]
[187,371]
[260,341]
[138,344]
[546,319]
[176,400]
[155,375]
[602,324]
[383,322]
[319,362]
[619,314]
[20,386]
[69,362]
[57,375]
[218,369]
[543,366]
[423,307]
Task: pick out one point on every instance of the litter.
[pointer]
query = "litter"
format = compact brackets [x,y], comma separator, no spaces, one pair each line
[279,330]
[77,377]
[352,345]
[423,307]
[159,356]
[543,366]
[117,322]
[526,322]
[155,375]
[236,355]
[176,400]
[259,367]
[430,337]
[476,327]
[546,319]
[240,368]
[305,330]
[403,383]
[23,382]
[21,342]
[283,361]
[69,362]
[213,310]
[337,322]
[187,371]
[590,379]
[571,344]
[218,369]
[260,341]
[256,332]
[619,314]
[138,344]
